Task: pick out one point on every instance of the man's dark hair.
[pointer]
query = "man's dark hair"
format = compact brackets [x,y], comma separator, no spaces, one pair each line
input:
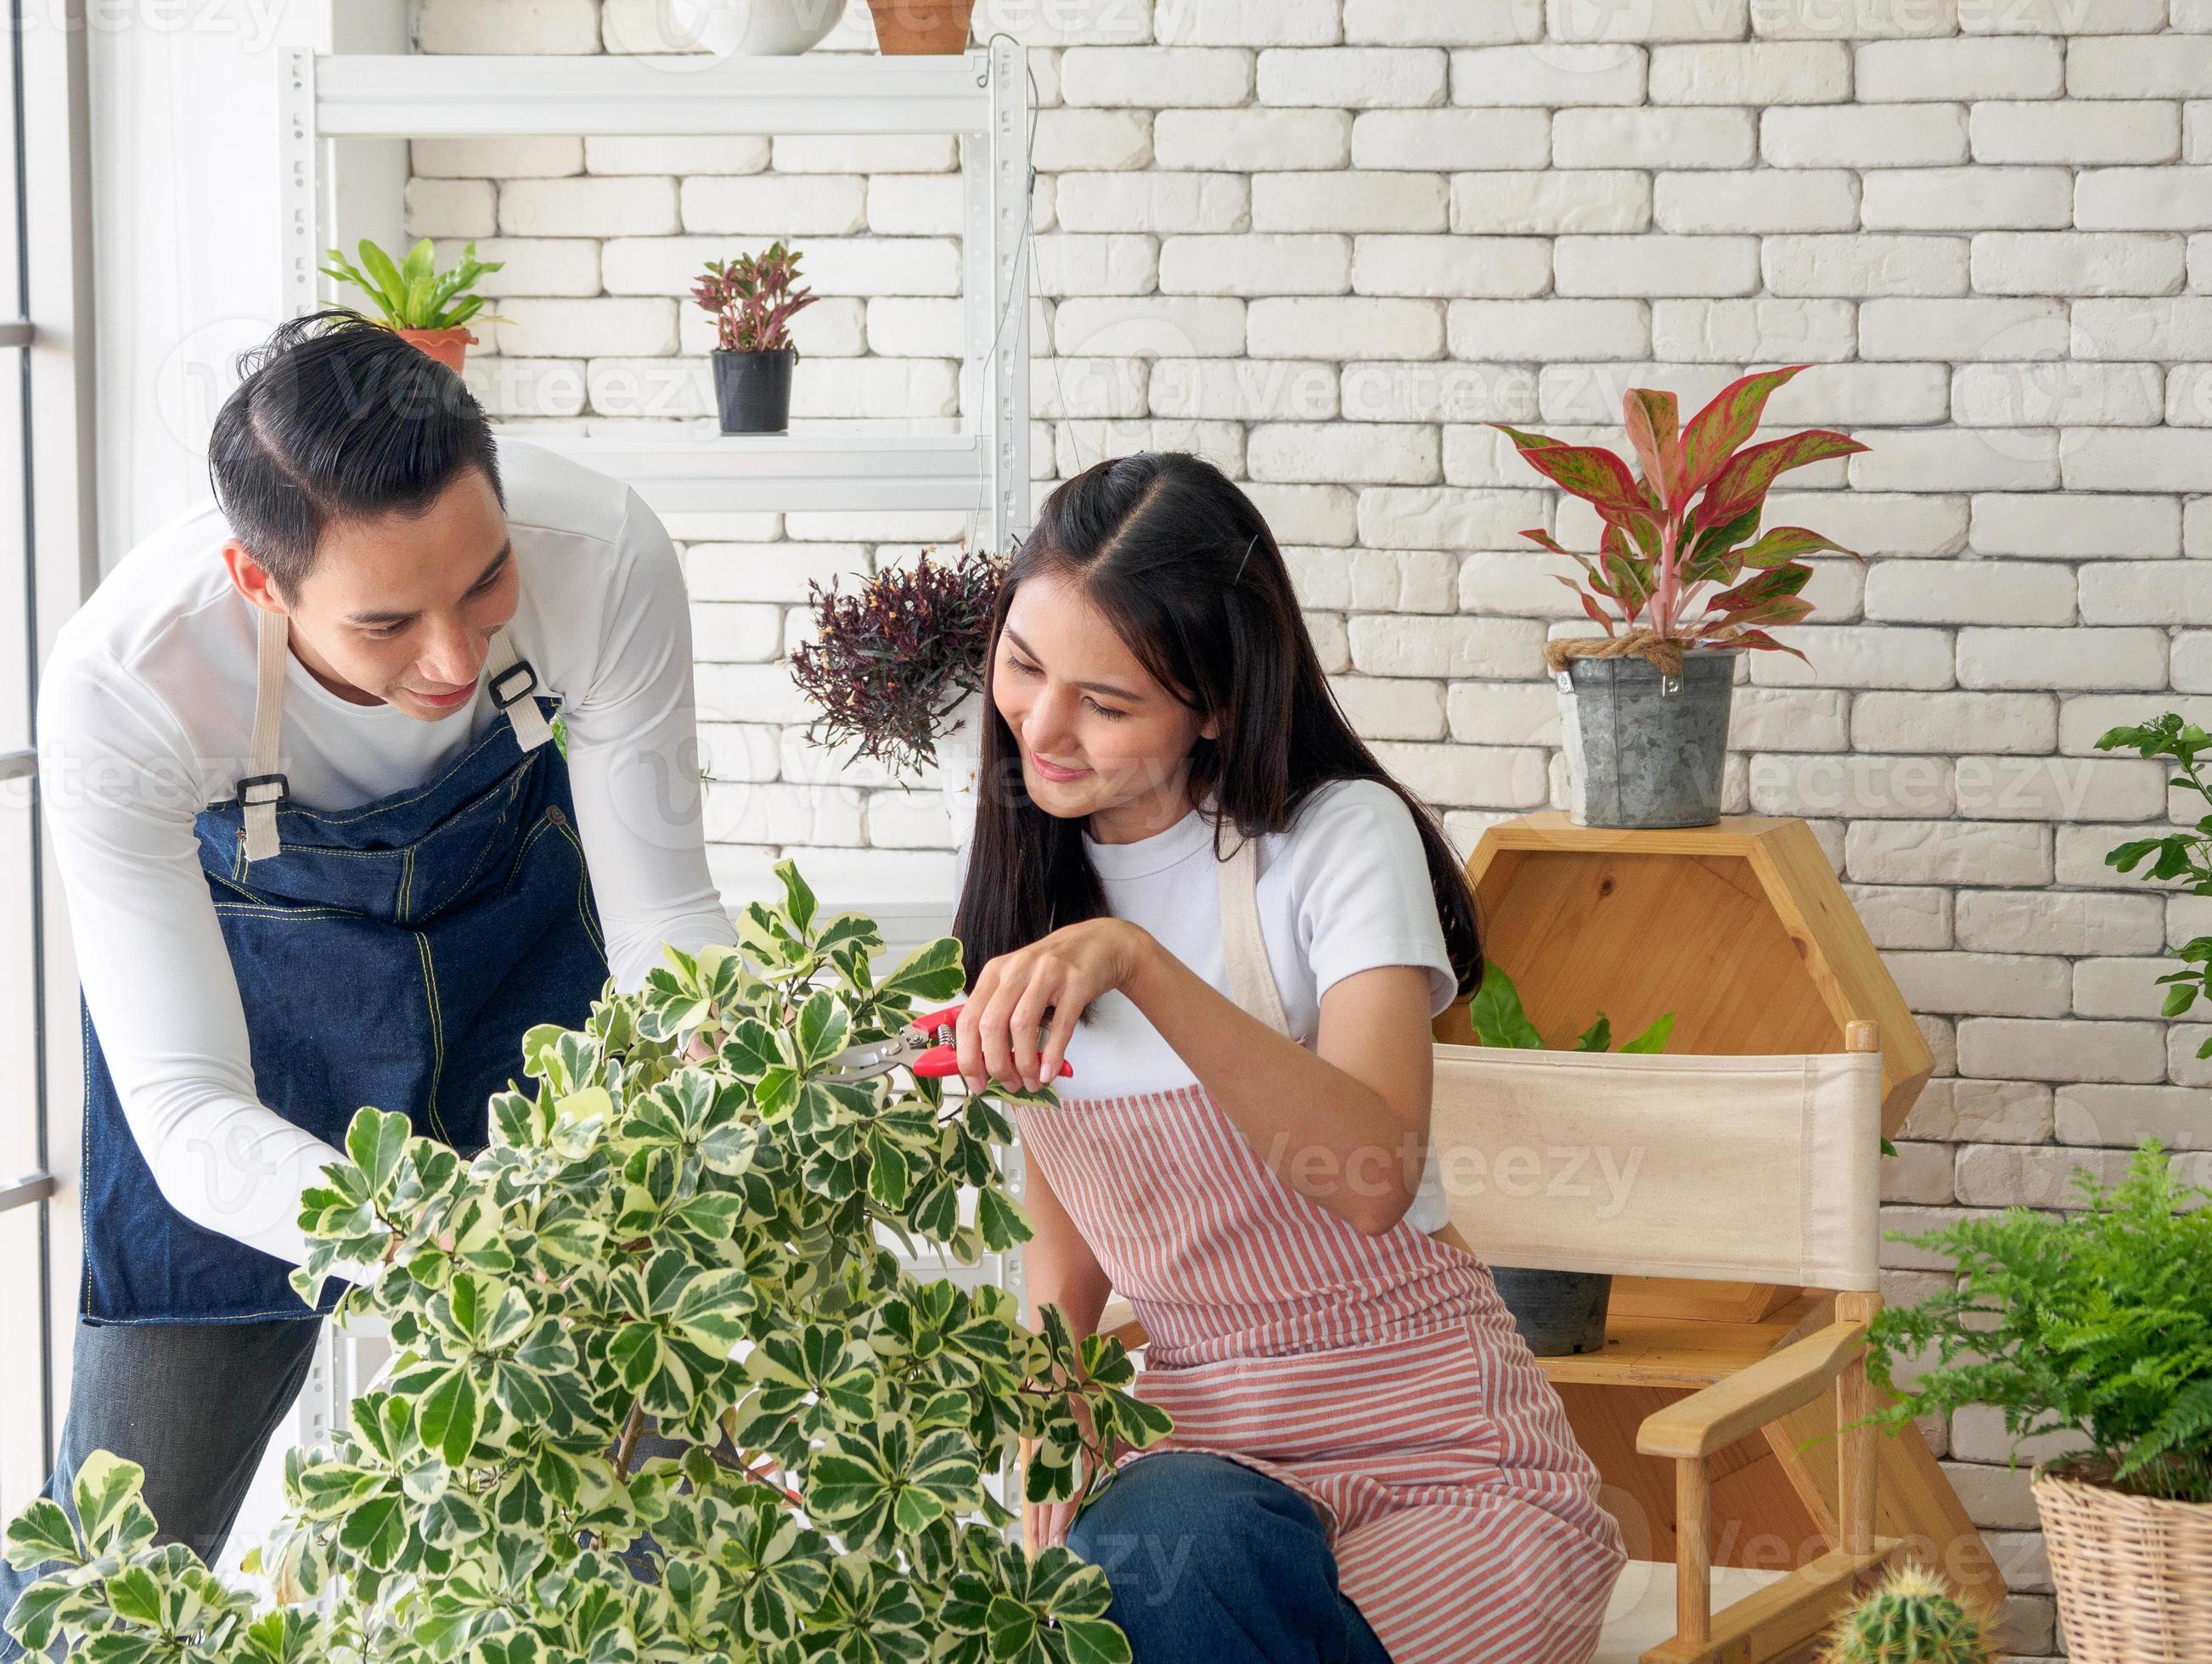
[338,418]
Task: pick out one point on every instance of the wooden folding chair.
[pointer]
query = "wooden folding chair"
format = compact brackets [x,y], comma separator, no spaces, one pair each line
[1756,1169]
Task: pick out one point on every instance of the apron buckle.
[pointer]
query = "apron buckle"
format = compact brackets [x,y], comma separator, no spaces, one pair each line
[270,789]
[513,685]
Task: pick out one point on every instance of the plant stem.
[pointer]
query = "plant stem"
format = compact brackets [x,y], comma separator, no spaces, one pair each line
[633,1431]
[1662,611]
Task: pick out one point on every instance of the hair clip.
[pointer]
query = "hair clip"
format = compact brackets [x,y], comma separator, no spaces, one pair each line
[1248,555]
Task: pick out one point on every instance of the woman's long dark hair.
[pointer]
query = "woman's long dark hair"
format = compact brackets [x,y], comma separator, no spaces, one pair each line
[1182,563]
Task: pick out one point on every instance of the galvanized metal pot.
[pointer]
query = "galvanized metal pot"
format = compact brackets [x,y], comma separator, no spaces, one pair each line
[1645,748]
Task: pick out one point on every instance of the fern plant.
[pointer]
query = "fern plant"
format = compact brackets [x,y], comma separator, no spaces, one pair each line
[677,1227]
[2095,1322]
[1912,1619]
[412,294]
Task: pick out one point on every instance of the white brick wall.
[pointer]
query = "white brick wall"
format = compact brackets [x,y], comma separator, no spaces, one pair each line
[1320,241]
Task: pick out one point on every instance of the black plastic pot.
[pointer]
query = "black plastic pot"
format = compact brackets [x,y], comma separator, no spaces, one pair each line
[1559,1313]
[752,390]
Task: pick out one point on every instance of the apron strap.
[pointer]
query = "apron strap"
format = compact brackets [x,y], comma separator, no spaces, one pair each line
[1251,984]
[514,690]
[262,788]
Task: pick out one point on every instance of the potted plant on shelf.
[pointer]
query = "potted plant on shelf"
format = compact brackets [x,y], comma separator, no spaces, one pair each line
[429,307]
[921,26]
[753,300]
[1912,1617]
[1644,707]
[896,667]
[675,1228]
[2094,1322]
[1559,1313]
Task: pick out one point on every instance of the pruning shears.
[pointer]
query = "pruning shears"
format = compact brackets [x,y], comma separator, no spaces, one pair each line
[925,1046]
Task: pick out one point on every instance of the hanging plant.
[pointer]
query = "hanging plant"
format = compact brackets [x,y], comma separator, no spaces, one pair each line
[890,659]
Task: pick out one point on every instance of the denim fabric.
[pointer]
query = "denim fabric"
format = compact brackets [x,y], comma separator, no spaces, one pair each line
[393,954]
[194,1405]
[1210,1559]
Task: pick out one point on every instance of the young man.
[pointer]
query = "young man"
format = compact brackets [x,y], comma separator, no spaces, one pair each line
[319,852]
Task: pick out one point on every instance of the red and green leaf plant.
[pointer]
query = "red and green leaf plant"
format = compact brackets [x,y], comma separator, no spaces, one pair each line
[1687,518]
[753,300]
[889,660]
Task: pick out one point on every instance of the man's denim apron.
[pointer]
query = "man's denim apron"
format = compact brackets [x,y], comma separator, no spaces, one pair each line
[390,955]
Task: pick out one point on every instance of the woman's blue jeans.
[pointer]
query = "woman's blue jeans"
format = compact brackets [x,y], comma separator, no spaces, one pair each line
[1214,1561]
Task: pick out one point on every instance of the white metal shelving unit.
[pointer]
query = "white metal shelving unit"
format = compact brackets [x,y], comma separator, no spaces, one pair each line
[980,465]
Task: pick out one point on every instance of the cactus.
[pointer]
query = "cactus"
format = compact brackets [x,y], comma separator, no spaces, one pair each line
[1912,1619]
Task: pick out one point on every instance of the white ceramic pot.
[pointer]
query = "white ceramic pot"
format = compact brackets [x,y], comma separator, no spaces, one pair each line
[750,29]
[960,762]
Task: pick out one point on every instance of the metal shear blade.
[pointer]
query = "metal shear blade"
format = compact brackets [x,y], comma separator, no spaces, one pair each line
[909,1048]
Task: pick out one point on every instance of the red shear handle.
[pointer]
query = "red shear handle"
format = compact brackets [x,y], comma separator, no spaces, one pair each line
[943,1059]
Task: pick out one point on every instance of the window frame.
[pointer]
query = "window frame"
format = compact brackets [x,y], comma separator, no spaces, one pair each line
[51,344]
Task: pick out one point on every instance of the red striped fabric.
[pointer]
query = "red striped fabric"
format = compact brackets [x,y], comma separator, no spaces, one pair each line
[1380,1376]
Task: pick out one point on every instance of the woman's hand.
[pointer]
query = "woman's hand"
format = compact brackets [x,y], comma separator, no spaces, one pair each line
[1017,994]
[1044,1525]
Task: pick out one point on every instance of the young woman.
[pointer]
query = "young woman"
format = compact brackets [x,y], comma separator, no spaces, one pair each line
[1190,880]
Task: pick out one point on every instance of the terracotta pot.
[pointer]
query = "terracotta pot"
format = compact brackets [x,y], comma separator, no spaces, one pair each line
[449,347]
[921,26]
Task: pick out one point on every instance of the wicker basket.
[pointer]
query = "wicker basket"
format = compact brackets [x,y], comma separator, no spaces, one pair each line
[2134,1575]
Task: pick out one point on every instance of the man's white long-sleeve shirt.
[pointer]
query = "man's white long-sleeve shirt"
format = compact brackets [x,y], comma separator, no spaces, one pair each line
[145,713]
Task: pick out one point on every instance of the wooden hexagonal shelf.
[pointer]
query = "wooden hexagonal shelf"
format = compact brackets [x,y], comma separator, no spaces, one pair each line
[1741,930]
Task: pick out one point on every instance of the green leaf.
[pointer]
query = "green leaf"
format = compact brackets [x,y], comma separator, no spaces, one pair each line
[377,1142]
[451,1415]
[390,288]
[40,1533]
[1496,1011]
[1001,1220]
[637,1351]
[105,1490]
[799,899]
[824,1029]
[931,972]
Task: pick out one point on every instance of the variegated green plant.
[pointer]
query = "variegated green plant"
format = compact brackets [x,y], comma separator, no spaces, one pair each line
[678,1227]
[1689,518]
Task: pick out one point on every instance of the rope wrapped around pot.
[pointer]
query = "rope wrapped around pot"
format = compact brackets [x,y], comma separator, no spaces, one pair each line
[1664,652]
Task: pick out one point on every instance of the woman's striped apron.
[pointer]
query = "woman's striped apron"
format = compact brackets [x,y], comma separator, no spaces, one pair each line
[1380,1376]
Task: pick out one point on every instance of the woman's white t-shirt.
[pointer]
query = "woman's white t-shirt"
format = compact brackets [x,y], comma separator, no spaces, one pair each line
[1344,888]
